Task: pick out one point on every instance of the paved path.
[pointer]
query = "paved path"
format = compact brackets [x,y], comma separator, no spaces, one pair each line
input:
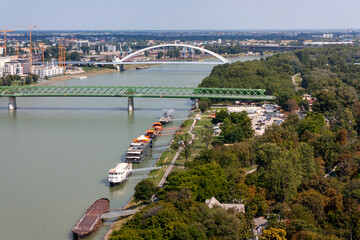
[293,80]
[171,165]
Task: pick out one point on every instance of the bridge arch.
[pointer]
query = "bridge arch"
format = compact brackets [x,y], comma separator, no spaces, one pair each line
[222,59]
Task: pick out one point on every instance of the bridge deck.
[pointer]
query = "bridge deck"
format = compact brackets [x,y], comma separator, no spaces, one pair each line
[132,91]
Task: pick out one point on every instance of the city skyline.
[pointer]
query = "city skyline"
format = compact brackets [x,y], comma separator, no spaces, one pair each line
[185,15]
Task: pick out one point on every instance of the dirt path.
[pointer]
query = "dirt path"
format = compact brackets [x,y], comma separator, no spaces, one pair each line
[293,80]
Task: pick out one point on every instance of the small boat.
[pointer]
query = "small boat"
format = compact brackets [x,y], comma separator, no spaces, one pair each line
[91,220]
[82,77]
[154,130]
[119,174]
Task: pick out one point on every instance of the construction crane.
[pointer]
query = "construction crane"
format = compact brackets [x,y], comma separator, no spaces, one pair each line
[6,31]
[128,49]
[30,55]
[62,56]
[43,55]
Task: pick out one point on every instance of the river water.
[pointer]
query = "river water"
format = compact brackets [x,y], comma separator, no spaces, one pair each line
[55,152]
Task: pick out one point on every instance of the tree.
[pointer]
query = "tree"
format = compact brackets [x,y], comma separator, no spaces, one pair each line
[160,55]
[291,105]
[35,78]
[273,234]
[144,190]
[74,56]
[28,79]
[237,127]
[313,122]
[206,135]
[187,144]
[204,104]
[221,115]
[85,49]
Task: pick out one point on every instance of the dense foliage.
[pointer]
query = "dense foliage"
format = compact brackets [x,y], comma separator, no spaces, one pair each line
[307,180]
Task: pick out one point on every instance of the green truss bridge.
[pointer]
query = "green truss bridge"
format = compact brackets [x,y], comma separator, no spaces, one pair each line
[130,92]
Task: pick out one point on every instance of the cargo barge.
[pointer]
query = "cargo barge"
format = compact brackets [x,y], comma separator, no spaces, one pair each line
[91,220]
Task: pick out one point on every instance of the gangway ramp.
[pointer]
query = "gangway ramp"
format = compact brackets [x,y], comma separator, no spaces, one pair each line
[144,169]
[119,213]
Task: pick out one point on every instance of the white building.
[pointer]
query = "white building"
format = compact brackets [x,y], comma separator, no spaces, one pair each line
[82,43]
[2,50]
[240,208]
[50,70]
[13,68]
[4,60]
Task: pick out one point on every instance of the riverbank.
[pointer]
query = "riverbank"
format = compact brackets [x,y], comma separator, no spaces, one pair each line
[89,71]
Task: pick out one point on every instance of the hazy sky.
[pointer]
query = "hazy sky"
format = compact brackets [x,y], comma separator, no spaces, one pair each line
[180,14]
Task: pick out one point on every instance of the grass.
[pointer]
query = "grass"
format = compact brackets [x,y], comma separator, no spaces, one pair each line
[250,168]
[204,122]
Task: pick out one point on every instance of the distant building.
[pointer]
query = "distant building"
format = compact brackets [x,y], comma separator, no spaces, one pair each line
[2,50]
[4,60]
[50,70]
[240,208]
[82,43]
[1,71]
[13,68]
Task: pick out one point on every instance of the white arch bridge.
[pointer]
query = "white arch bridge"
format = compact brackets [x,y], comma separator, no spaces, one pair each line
[127,59]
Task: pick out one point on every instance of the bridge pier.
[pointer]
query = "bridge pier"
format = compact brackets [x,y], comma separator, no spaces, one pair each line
[196,103]
[117,67]
[122,69]
[12,103]
[130,104]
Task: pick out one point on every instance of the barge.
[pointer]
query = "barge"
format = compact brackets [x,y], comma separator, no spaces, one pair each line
[91,220]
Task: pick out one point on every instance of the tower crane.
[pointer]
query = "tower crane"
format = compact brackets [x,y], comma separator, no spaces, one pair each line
[6,31]
[128,49]
[30,55]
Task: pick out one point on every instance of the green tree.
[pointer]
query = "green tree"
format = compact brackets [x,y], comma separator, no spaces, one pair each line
[204,104]
[237,128]
[28,79]
[313,122]
[206,136]
[160,55]
[74,56]
[35,78]
[144,190]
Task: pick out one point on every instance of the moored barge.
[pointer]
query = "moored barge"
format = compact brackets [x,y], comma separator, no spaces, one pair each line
[91,220]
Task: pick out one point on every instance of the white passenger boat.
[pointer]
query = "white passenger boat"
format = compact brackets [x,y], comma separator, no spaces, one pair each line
[119,173]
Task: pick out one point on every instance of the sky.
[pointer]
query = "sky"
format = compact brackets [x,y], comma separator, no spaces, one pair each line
[180,14]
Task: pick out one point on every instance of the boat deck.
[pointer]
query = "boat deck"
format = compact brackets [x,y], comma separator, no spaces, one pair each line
[91,218]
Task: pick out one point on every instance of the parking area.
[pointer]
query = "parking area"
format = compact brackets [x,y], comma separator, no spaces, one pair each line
[262,116]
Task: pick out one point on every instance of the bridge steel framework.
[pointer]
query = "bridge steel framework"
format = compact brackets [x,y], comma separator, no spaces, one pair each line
[130,91]
[222,59]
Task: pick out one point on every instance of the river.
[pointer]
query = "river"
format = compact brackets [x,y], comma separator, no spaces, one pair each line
[55,152]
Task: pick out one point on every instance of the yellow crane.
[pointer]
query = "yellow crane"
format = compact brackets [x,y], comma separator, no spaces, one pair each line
[62,56]
[43,55]
[30,55]
[6,31]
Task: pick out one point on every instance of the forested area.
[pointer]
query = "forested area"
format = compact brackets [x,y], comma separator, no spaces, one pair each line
[307,181]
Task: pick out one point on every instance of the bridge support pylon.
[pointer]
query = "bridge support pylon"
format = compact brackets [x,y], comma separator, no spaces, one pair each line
[122,69]
[130,104]
[12,103]
[196,103]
